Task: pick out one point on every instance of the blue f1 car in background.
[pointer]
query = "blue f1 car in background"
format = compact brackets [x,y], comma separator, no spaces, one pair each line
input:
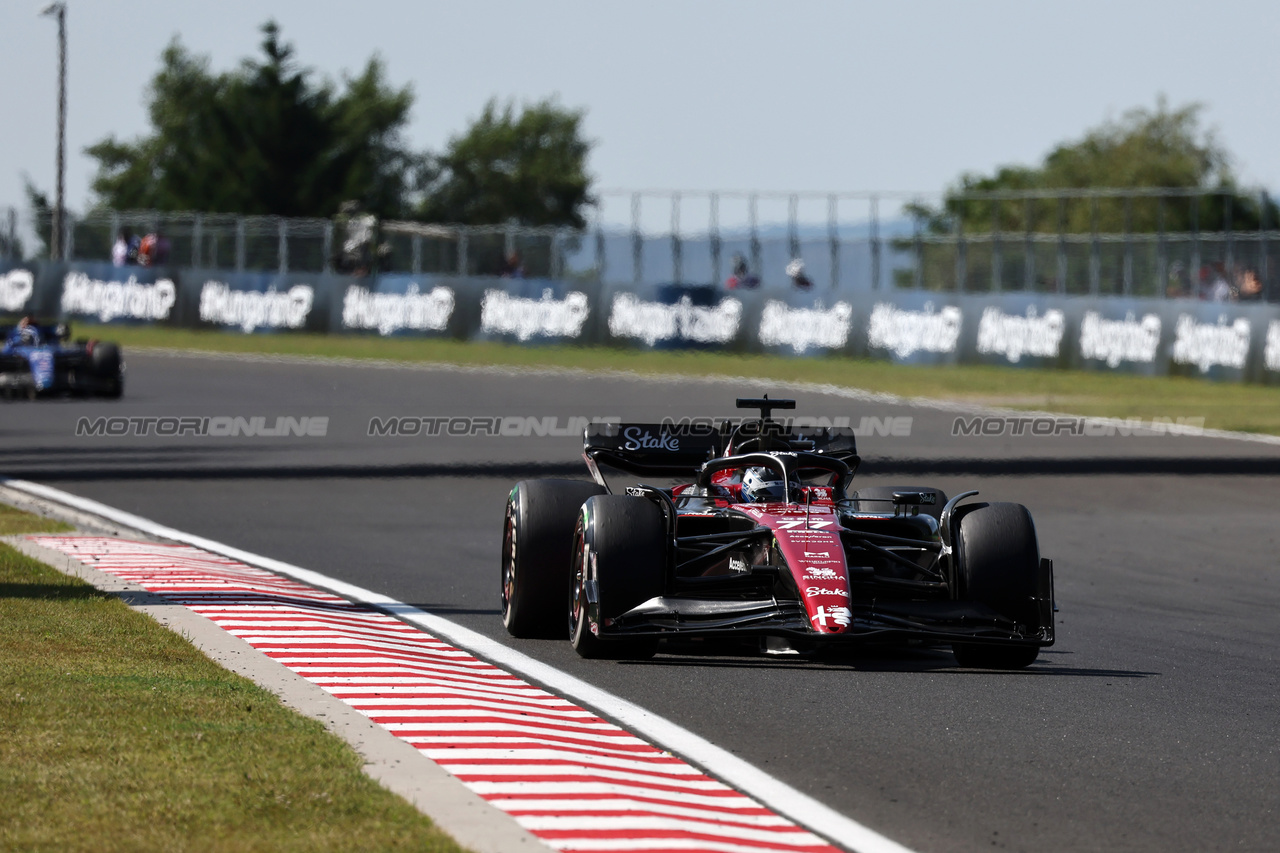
[39,359]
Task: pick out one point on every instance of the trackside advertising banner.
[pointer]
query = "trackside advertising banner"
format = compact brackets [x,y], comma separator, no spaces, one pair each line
[102,293]
[1221,341]
[17,289]
[255,302]
[400,305]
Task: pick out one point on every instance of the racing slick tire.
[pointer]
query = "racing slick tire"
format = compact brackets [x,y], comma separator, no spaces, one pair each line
[880,499]
[619,544]
[108,368]
[999,567]
[537,534]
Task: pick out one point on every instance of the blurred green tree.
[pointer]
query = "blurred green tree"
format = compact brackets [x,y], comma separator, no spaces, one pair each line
[528,168]
[1144,149]
[262,139]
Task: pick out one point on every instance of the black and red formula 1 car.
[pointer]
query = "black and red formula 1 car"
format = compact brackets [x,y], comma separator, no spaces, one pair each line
[767,541]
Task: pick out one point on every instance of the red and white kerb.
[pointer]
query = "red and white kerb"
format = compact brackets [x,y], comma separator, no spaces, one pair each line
[574,780]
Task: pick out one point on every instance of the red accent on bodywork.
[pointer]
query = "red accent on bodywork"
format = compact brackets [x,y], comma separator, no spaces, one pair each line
[809,539]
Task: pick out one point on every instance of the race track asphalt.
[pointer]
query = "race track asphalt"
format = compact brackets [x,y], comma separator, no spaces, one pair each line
[1153,724]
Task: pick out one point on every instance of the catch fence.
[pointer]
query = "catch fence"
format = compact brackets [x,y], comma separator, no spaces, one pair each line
[1166,243]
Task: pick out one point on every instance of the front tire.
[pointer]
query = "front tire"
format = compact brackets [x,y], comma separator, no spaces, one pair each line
[1000,567]
[619,545]
[537,534]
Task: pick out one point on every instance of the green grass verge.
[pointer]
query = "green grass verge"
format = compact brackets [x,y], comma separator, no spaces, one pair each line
[118,735]
[1250,408]
[15,521]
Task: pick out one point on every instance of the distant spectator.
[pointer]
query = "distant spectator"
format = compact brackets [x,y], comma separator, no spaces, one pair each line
[513,265]
[795,271]
[153,250]
[357,254]
[125,249]
[1249,286]
[1177,285]
[741,275]
[1213,284]
[1220,291]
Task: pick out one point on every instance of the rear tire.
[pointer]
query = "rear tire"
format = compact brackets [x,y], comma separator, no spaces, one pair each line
[999,567]
[108,368]
[537,535]
[619,543]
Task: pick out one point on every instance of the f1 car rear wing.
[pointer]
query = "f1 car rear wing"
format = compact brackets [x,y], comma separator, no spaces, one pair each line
[49,332]
[659,450]
[681,449]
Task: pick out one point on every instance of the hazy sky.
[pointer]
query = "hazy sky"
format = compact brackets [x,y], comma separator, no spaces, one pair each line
[821,96]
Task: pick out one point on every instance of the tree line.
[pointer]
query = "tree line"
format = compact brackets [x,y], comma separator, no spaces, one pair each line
[268,137]
[1145,149]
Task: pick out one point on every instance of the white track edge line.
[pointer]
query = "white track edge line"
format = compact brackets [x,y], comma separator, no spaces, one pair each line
[771,792]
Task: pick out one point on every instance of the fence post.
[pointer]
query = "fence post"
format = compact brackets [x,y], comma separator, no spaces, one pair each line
[463,248]
[197,237]
[1028,247]
[68,235]
[556,265]
[415,263]
[677,258]
[326,263]
[715,238]
[637,241]
[1062,245]
[1226,226]
[12,246]
[962,267]
[793,226]
[1128,245]
[1095,248]
[1193,274]
[997,249]
[918,276]
[239,244]
[833,236]
[875,243]
[1162,252]
[282,244]
[601,258]
[1262,243]
[753,216]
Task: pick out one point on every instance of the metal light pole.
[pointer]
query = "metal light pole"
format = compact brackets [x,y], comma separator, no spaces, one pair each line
[59,11]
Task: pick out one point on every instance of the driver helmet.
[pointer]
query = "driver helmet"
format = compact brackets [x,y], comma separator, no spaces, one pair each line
[795,269]
[763,485]
[27,334]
